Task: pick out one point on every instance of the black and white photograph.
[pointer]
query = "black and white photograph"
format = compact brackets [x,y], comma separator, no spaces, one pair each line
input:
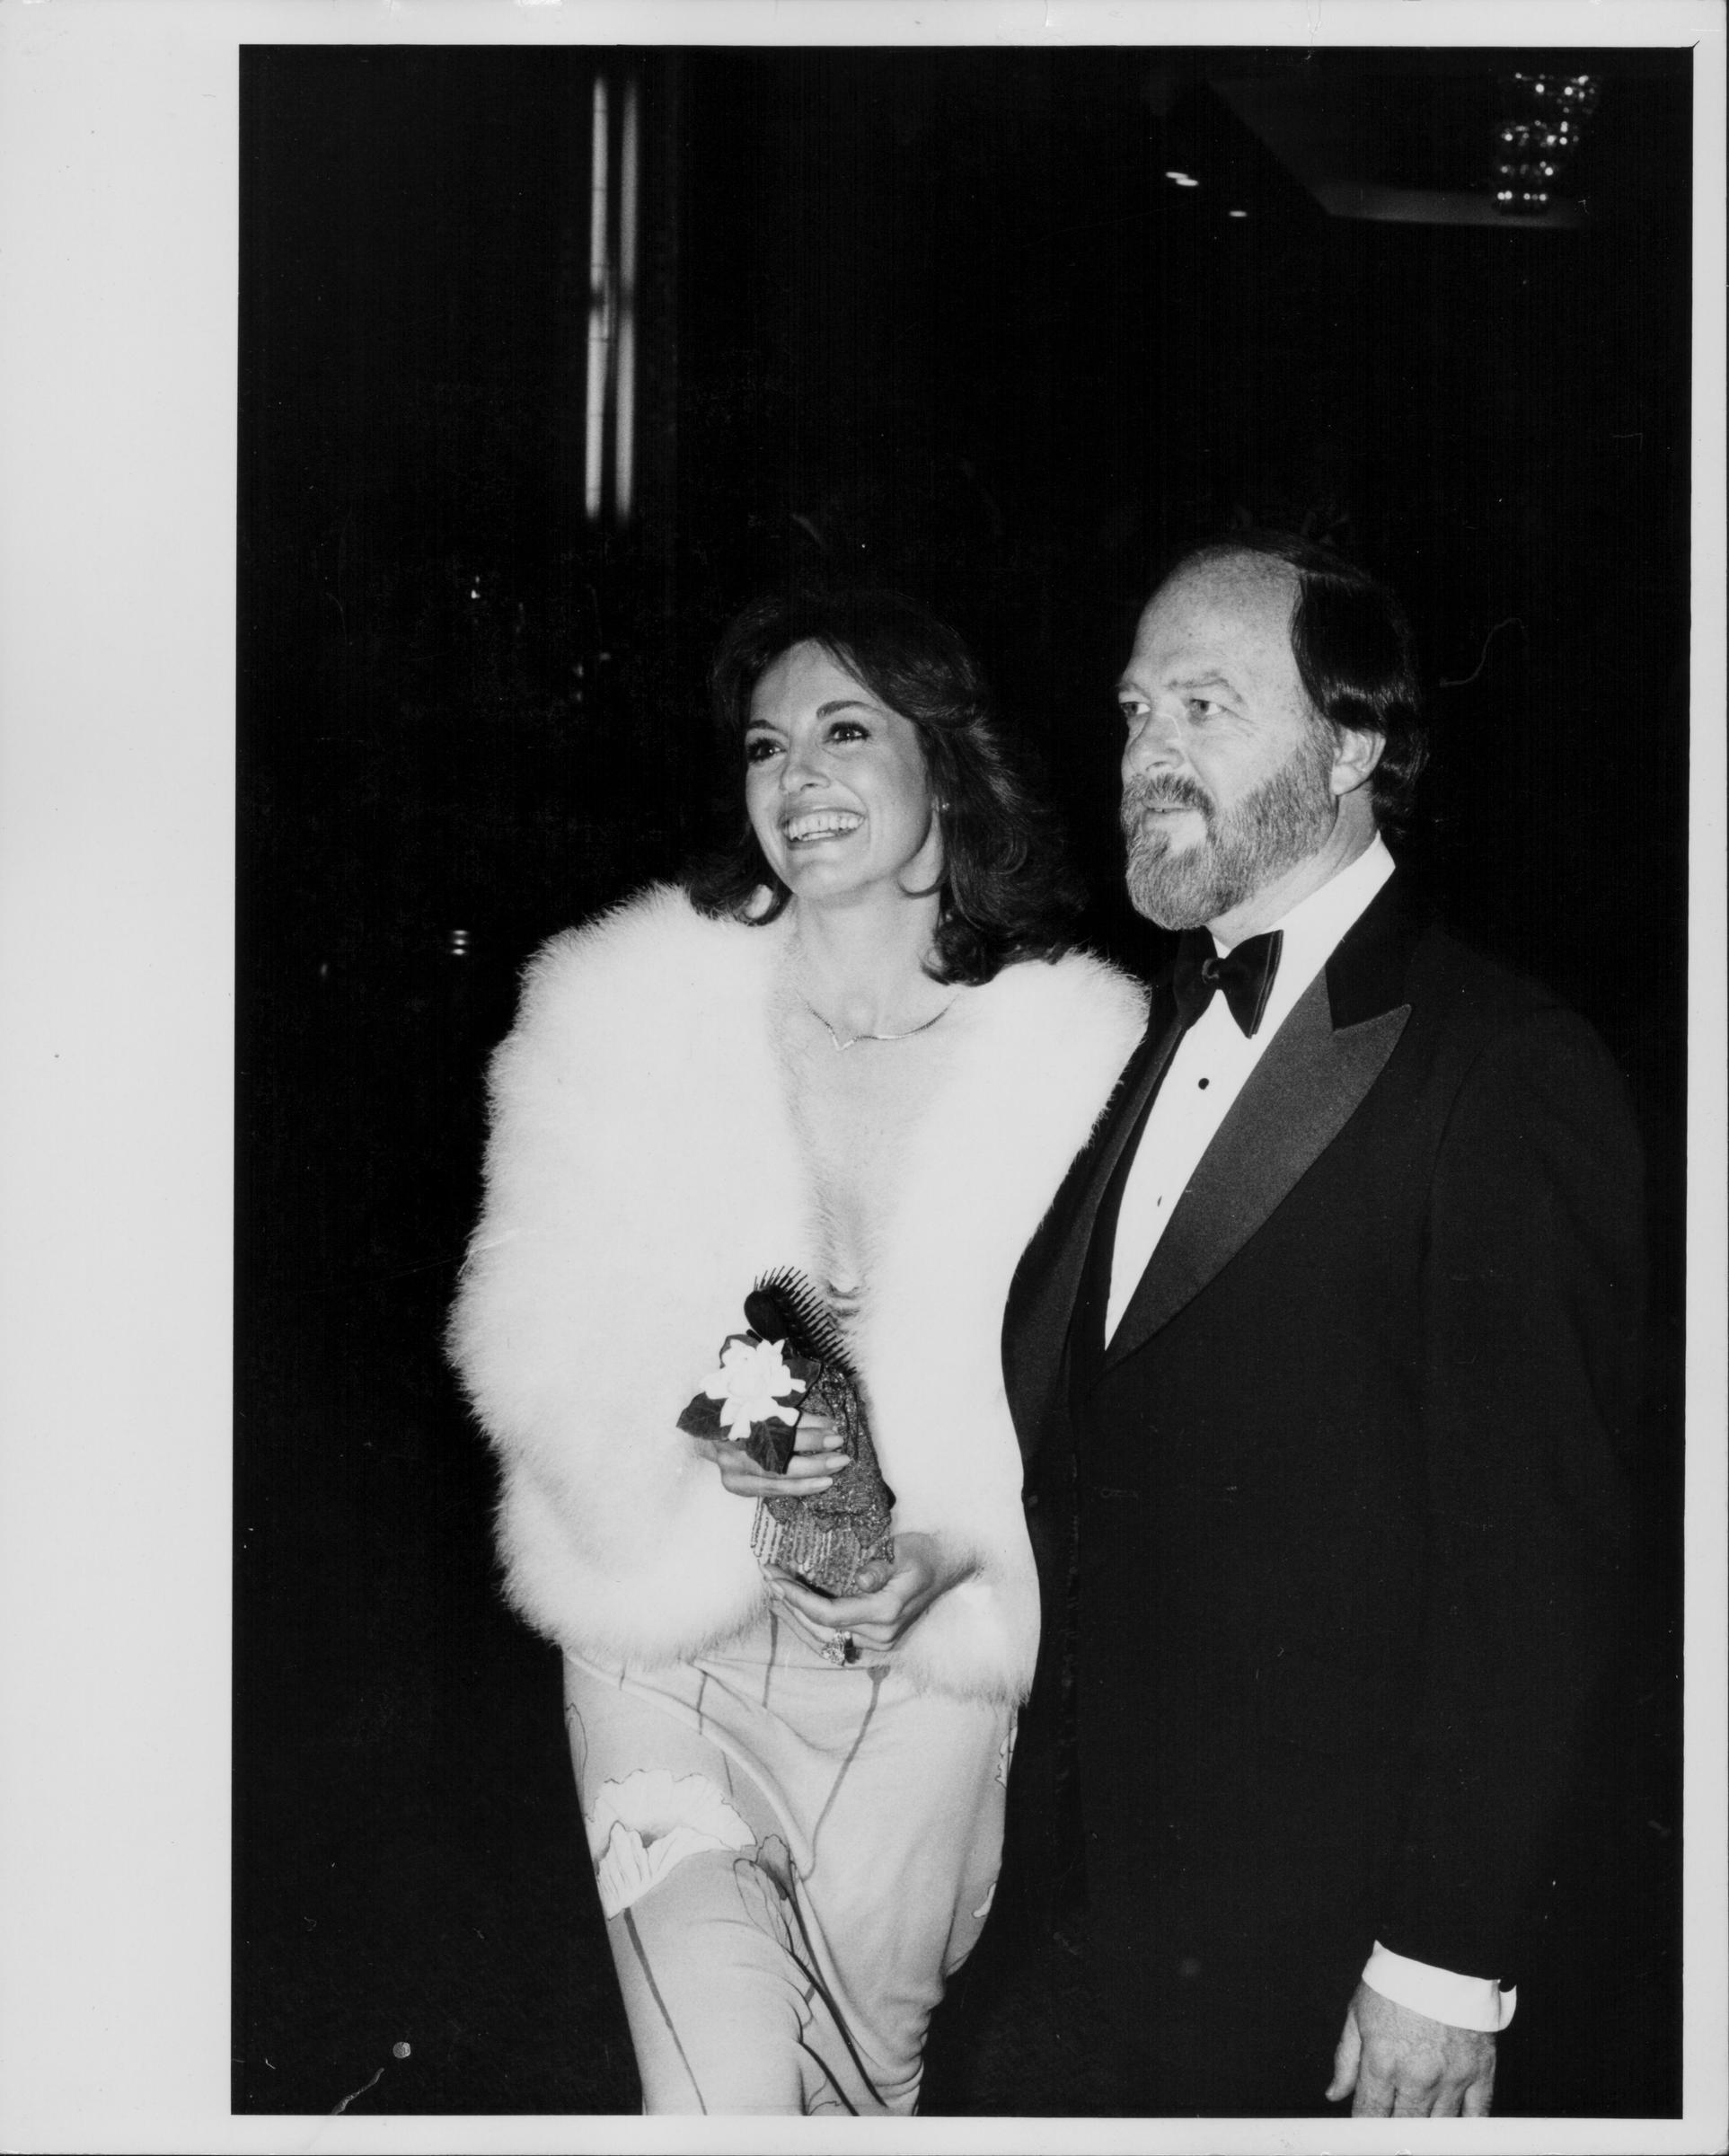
[879,1099]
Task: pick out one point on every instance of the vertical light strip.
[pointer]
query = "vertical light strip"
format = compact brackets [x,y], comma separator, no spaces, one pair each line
[600,327]
[624,413]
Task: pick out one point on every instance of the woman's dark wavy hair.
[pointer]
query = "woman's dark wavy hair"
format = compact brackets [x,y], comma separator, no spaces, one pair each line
[1006,892]
[1351,642]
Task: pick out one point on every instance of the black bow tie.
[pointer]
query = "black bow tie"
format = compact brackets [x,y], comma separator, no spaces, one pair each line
[1246,975]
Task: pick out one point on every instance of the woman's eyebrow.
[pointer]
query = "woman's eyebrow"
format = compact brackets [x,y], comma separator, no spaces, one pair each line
[844,704]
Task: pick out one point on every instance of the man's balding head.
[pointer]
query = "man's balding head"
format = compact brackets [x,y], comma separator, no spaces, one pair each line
[1256,721]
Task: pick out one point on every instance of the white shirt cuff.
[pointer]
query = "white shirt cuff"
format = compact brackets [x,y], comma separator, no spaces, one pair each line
[1462,2001]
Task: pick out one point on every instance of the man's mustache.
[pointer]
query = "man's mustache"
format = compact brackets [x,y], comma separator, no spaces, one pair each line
[1174,791]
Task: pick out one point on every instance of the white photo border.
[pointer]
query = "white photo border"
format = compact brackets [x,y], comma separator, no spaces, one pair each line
[118,239]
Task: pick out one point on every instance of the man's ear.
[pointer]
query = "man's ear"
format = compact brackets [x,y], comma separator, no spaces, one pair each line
[1357,753]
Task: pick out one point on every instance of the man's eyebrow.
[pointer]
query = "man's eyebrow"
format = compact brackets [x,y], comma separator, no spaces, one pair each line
[1213,680]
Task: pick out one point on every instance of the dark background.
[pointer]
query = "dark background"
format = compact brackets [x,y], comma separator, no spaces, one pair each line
[940,316]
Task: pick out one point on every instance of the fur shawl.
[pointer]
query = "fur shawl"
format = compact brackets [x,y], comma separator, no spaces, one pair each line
[643,1169]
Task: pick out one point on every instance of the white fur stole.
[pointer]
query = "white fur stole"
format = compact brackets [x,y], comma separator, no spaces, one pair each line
[643,1169]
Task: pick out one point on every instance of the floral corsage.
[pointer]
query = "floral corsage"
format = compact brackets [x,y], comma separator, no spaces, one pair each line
[792,1358]
[753,1399]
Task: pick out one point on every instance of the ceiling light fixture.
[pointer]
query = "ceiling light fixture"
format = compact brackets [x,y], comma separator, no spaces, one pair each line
[1183,178]
[1534,146]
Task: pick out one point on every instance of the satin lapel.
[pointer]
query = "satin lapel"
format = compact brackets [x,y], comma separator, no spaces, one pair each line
[1299,1098]
[1046,1304]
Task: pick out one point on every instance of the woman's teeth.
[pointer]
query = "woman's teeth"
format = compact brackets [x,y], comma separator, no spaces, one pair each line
[824,823]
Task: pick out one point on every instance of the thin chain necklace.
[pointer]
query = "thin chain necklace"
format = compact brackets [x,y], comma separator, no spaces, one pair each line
[840,1046]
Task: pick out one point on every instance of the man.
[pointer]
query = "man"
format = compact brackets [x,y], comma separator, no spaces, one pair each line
[1321,1360]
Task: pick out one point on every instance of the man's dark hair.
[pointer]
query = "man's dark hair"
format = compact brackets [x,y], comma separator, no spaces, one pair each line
[1006,891]
[1351,642]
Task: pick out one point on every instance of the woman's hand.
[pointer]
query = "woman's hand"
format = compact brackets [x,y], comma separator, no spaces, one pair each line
[888,1599]
[816,1459]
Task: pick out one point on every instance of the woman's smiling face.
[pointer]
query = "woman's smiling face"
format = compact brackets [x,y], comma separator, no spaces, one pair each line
[835,784]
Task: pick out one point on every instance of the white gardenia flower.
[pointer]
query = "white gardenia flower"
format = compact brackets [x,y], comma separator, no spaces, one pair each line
[642,1827]
[746,1384]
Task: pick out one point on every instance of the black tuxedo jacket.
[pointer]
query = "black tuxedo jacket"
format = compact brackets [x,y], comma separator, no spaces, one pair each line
[1342,1502]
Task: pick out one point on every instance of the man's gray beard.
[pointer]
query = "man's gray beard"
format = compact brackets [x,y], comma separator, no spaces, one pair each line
[1286,819]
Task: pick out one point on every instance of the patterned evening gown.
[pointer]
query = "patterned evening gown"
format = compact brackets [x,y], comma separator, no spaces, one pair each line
[792,1856]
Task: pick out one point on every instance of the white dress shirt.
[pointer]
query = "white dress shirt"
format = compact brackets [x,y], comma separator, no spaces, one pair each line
[1209,1069]
[1212,1066]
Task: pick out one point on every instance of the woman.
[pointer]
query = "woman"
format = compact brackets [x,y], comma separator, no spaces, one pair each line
[836,1052]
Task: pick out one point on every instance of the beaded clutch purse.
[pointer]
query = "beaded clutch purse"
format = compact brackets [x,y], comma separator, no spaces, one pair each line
[793,1356]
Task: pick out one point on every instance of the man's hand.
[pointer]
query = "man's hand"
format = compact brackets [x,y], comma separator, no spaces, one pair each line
[1404,2065]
